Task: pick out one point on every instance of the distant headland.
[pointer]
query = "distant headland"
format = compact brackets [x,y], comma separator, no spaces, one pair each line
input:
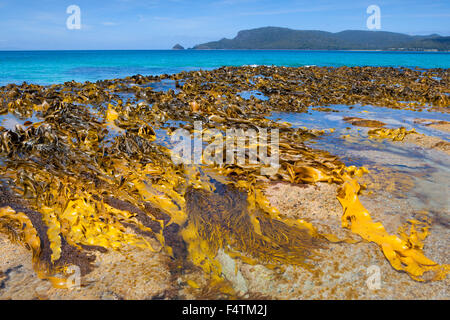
[284,38]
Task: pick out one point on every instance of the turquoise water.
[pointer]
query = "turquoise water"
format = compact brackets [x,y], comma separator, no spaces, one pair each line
[48,67]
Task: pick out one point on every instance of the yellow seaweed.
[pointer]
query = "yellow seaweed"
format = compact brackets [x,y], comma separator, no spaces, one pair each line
[31,240]
[69,165]
[403,254]
[394,134]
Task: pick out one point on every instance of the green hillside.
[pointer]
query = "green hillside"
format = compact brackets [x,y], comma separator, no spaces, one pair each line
[284,38]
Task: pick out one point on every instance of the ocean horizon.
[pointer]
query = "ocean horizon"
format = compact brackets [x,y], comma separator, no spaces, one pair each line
[58,66]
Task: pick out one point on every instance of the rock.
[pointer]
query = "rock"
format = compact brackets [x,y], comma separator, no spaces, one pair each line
[231,273]
[178,47]
[359,122]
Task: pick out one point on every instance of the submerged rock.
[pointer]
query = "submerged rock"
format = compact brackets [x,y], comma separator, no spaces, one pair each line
[359,122]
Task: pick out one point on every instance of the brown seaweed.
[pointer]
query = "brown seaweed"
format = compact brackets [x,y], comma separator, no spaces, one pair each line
[88,159]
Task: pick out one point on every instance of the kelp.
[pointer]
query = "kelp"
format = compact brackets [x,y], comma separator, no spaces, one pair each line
[18,224]
[360,122]
[404,252]
[242,225]
[89,157]
[394,134]
[296,89]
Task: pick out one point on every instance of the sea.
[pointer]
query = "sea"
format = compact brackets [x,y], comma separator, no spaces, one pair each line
[50,67]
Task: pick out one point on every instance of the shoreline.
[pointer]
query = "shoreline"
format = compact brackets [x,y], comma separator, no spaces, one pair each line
[96,187]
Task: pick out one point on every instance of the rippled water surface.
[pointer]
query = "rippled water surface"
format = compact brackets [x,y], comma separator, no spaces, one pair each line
[430,169]
[47,67]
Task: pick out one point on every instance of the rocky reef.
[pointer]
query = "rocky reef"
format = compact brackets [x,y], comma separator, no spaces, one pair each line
[88,180]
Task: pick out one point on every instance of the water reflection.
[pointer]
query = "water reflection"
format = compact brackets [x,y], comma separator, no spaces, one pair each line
[429,169]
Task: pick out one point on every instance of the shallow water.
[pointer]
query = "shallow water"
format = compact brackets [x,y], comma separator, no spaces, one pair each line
[253,93]
[393,118]
[429,169]
[9,121]
[164,85]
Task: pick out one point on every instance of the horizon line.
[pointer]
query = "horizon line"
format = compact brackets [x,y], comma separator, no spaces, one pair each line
[192,49]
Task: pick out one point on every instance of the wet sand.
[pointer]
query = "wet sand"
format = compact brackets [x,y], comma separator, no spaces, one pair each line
[344,267]
[428,142]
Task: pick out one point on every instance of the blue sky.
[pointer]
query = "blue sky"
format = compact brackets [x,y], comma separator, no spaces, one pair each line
[159,24]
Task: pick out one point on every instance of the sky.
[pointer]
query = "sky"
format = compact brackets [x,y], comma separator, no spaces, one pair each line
[160,24]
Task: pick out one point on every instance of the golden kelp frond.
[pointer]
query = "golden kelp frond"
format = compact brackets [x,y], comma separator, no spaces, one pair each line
[395,134]
[403,253]
[228,220]
[19,224]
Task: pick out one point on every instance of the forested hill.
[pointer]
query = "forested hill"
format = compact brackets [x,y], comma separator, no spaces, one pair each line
[284,38]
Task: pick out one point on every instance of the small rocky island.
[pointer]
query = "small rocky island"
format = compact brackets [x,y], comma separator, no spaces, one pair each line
[178,47]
